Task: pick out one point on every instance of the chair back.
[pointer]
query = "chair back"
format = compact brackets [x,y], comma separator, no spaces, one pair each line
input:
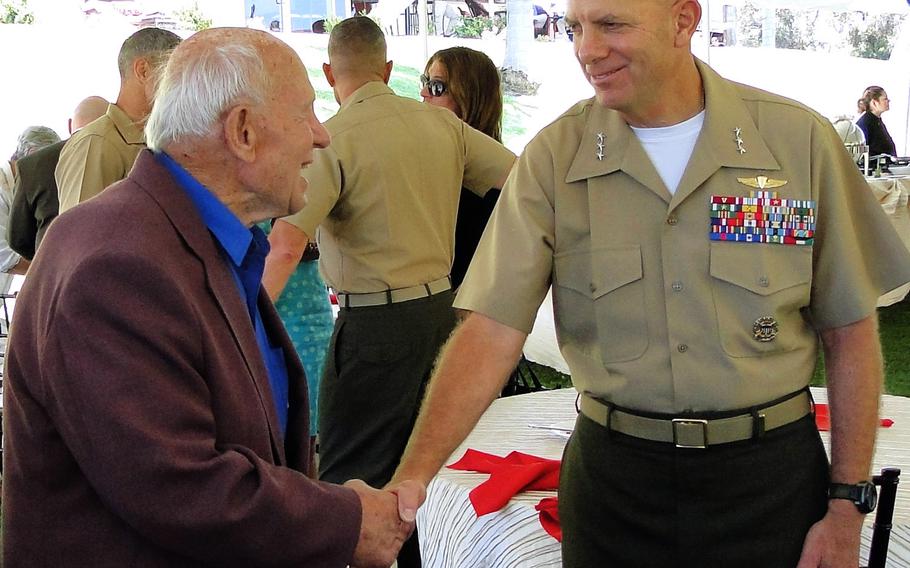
[881,530]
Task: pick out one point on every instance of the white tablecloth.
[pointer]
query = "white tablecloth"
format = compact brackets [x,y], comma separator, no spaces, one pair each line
[451,536]
[893,192]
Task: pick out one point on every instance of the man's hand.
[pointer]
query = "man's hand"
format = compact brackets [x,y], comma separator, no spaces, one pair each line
[411,495]
[382,530]
[833,542]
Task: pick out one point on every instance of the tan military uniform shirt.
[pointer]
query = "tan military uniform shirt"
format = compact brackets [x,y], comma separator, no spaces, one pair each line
[650,312]
[96,156]
[384,194]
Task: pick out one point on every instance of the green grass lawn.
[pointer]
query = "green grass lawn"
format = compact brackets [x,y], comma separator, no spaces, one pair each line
[894,330]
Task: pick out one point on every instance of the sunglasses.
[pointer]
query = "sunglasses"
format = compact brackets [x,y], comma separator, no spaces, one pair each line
[434,87]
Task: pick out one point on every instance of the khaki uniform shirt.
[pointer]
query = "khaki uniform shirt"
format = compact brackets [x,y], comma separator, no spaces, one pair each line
[650,312]
[96,156]
[384,194]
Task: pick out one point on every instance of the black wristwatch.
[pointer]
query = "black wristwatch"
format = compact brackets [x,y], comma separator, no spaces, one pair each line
[863,494]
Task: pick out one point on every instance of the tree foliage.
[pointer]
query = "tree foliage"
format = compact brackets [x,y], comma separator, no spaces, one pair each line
[15,12]
[194,19]
[863,35]
[875,40]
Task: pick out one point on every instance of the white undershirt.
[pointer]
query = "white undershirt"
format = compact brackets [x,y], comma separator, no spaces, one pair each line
[670,147]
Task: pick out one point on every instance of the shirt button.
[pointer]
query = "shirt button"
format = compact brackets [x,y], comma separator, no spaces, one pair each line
[672,220]
[677,286]
[764,281]
[593,287]
[682,347]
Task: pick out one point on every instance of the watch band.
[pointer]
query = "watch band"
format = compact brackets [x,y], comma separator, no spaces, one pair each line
[862,494]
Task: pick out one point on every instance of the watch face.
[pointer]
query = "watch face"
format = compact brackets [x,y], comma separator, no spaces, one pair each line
[868,497]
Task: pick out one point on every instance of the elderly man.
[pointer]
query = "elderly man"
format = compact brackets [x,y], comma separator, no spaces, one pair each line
[31,140]
[155,411]
[35,202]
[384,197]
[700,236]
[104,152]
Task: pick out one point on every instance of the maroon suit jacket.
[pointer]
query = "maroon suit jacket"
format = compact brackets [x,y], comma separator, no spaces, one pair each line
[140,428]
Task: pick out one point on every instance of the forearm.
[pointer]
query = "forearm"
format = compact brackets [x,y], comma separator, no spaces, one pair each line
[854,370]
[853,363]
[471,371]
[287,243]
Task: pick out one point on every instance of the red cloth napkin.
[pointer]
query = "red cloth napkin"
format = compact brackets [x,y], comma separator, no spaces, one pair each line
[823,419]
[549,517]
[510,475]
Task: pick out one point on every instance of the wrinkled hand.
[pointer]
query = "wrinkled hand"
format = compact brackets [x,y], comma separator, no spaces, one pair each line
[382,530]
[833,542]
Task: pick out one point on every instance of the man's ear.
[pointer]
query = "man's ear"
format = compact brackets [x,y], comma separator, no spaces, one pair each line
[142,70]
[388,71]
[687,15]
[329,76]
[240,134]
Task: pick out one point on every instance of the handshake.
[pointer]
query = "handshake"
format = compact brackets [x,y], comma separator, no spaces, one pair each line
[388,520]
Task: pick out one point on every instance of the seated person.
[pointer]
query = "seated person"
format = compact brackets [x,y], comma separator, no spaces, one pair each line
[877,136]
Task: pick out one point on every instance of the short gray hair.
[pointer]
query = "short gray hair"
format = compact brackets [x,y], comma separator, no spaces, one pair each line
[34,138]
[154,44]
[194,92]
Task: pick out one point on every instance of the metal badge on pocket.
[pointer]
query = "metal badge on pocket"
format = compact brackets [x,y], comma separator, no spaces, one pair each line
[764,329]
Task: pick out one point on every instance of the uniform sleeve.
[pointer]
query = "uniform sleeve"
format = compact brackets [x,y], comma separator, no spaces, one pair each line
[22,228]
[515,257]
[136,413]
[486,160]
[325,177]
[8,257]
[858,255]
[87,166]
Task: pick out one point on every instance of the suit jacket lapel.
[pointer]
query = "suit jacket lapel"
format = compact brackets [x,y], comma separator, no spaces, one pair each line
[158,183]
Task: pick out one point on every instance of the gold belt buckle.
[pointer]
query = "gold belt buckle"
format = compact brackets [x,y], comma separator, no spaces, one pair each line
[686,424]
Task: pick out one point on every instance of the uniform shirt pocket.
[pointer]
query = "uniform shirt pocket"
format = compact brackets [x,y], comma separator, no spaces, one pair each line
[600,296]
[759,291]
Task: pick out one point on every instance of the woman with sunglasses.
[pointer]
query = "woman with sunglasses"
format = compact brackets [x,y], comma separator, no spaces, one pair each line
[466,82]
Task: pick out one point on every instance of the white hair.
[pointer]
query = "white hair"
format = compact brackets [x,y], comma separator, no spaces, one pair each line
[194,92]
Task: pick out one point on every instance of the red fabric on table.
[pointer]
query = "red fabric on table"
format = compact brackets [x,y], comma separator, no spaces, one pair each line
[823,419]
[509,476]
[549,517]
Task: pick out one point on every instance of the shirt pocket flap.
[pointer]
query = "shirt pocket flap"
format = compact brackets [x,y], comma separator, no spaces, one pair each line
[617,266]
[758,268]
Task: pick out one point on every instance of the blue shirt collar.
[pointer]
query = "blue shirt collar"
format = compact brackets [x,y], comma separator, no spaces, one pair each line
[234,237]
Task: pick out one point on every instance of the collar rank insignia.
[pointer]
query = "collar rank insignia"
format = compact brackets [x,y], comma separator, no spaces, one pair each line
[763,217]
[600,147]
[738,139]
[764,329]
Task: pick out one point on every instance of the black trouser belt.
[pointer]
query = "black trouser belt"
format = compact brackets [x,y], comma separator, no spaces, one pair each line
[393,296]
[695,432]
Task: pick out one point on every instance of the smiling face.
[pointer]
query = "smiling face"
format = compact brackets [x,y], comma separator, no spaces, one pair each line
[290,132]
[631,51]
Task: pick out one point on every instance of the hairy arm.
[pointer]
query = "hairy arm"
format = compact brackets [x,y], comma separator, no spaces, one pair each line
[473,367]
[854,371]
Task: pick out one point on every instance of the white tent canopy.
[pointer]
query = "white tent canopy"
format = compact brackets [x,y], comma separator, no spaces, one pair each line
[868,6]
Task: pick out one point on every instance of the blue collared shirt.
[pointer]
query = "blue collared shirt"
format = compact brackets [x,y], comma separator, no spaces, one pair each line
[244,250]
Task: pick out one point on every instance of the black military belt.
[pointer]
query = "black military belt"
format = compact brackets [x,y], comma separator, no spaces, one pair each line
[393,296]
[694,432]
